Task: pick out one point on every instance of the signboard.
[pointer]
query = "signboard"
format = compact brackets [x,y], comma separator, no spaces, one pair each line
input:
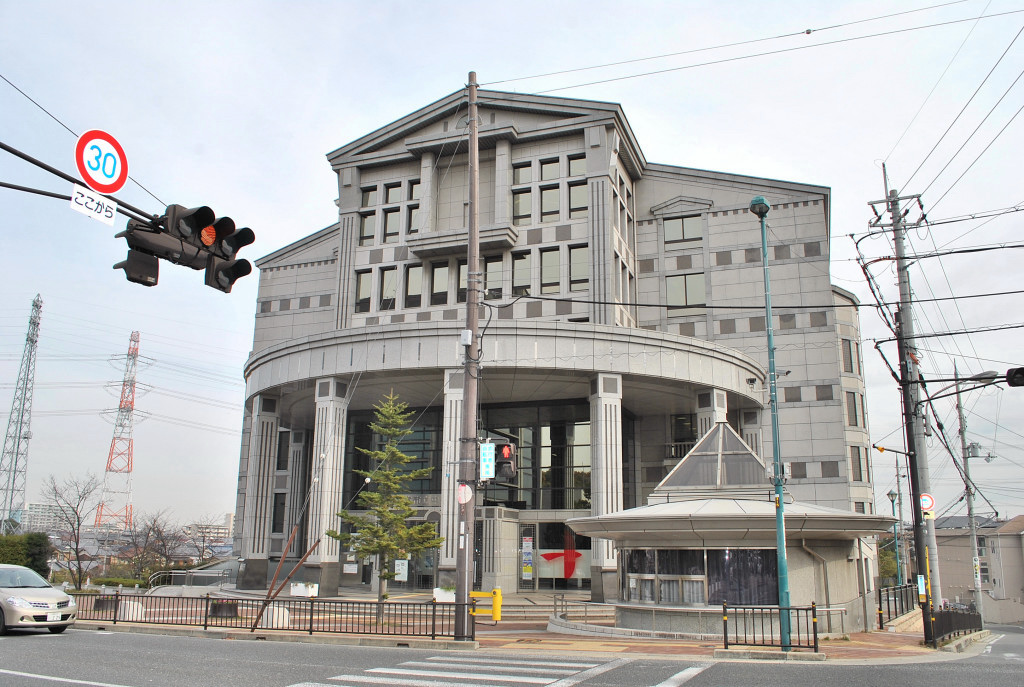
[101,161]
[402,570]
[927,502]
[463,493]
[487,461]
[977,572]
[922,594]
[307,589]
[90,203]
[527,558]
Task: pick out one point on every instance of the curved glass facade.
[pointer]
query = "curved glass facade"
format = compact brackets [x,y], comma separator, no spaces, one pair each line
[699,577]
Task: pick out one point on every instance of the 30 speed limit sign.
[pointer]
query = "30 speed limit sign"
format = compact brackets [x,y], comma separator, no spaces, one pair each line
[101,161]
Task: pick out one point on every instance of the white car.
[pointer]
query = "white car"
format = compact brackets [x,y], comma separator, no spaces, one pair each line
[29,601]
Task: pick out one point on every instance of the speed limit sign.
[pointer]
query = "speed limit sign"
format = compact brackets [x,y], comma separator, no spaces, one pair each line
[101,161]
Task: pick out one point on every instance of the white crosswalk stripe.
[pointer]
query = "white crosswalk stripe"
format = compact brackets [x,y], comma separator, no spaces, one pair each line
[473,671]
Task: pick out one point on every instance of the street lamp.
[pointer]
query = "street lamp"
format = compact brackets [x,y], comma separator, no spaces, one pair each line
[759,206]
[896,535]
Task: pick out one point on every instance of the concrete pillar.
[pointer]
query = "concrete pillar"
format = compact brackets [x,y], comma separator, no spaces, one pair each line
[428,194]
[453,395]
[328,469]
[255,539]
[712,407]
[605,477]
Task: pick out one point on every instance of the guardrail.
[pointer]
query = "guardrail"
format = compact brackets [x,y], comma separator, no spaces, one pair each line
[192,577]
[430,619]
[759,626]
[895,601]
[950,622]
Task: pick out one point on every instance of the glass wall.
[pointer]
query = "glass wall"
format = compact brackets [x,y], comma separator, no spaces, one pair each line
[698,577]
[424,445]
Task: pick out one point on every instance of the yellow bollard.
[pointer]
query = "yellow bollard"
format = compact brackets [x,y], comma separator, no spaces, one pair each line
[495,610]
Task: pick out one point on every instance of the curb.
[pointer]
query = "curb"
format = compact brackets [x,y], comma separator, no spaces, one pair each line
[764,655]
[241,634]
[958,645]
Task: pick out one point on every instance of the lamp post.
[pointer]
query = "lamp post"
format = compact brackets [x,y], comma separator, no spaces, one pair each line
[759,206]
[896,536]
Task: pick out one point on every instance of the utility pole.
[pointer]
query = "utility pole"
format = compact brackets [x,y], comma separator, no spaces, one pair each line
[926,552]
[468,451]
[965,451]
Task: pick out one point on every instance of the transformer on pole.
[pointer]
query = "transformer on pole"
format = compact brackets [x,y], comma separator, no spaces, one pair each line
[115,507]
[14,461]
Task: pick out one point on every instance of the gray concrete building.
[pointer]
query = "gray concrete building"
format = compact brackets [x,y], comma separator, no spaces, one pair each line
[622,317]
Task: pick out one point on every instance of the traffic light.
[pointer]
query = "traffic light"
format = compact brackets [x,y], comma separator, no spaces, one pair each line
[147,245]
[505,460]
[188,224]
[1015,376]
[222,274]
[140,268]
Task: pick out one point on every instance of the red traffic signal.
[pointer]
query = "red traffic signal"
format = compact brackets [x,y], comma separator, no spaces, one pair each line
[188,224]
[505,460]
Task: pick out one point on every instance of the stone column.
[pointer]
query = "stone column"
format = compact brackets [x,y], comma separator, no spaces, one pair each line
[328,470]
[428,193]
[255,539]
[453,395]
[605,477]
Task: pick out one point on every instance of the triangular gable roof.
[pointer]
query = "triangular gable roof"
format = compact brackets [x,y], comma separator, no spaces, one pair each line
[319,246]
[422,130]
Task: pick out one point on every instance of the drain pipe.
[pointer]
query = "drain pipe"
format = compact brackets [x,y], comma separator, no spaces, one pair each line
[824,574]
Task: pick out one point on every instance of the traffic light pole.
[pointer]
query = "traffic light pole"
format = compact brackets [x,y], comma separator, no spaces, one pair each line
[467,465]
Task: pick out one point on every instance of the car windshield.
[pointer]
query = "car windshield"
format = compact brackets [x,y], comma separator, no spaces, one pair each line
[21,578]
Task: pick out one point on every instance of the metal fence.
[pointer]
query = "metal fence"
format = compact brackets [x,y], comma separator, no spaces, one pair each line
[760,626]
[430,619]
[952,622]
[200,577]
[895,601]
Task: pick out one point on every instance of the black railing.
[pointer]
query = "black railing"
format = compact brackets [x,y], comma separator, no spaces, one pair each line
[430,619]
[951,622]
[760,626]
[895,601]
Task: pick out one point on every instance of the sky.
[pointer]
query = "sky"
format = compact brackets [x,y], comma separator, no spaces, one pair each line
[236,104]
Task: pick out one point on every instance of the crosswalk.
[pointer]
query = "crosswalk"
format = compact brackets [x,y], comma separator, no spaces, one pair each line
[475,671]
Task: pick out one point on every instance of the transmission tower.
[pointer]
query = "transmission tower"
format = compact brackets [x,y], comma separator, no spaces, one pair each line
[115,507]
[14,461]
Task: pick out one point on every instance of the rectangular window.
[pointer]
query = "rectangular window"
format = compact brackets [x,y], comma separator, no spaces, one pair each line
[414,219]
[388,287]
[981,547]
[522,207]
[577,165]
[983,570]
[414,189]
[857,471]
[282,451]
[782,252]
[812,250]
[493,275]
[578,200]
[823,392]
[549,204]
[685,290]
[579,268]
[521,274]
[787,321]
[363,286]
[369,197]
[463,273]
[550,271]
[682,229]
[367,226]
[277,515]
[852,416]
[522,173]
[265,306]
[751,255]
[848,356]
[727,326]
[830,468]
[303,302]
[413,286]
[392,193]
[439,283]
[858,507]
[757,323]
[325,300]
[819,319]
[792,394]
[548,170]
[798,470]
[723,257]
[392,225]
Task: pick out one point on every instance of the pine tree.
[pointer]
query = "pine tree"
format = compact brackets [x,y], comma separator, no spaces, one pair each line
[384,529]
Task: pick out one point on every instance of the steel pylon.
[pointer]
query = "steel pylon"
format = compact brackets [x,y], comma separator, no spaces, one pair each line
[114,511]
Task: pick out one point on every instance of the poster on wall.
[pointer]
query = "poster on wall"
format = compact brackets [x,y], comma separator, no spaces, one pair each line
[402,570]
[527,558]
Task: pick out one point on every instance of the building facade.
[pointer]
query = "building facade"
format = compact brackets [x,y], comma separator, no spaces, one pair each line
[1000,565]
[622,316]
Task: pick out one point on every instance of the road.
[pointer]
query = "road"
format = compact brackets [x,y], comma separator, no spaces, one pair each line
[102,659]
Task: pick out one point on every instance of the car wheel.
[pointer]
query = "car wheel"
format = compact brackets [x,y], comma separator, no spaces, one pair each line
[3,626]
[57,629]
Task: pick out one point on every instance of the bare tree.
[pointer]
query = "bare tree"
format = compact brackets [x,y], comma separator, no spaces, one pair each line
[199,539]
[168,540]
[74,500]
[139,547]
